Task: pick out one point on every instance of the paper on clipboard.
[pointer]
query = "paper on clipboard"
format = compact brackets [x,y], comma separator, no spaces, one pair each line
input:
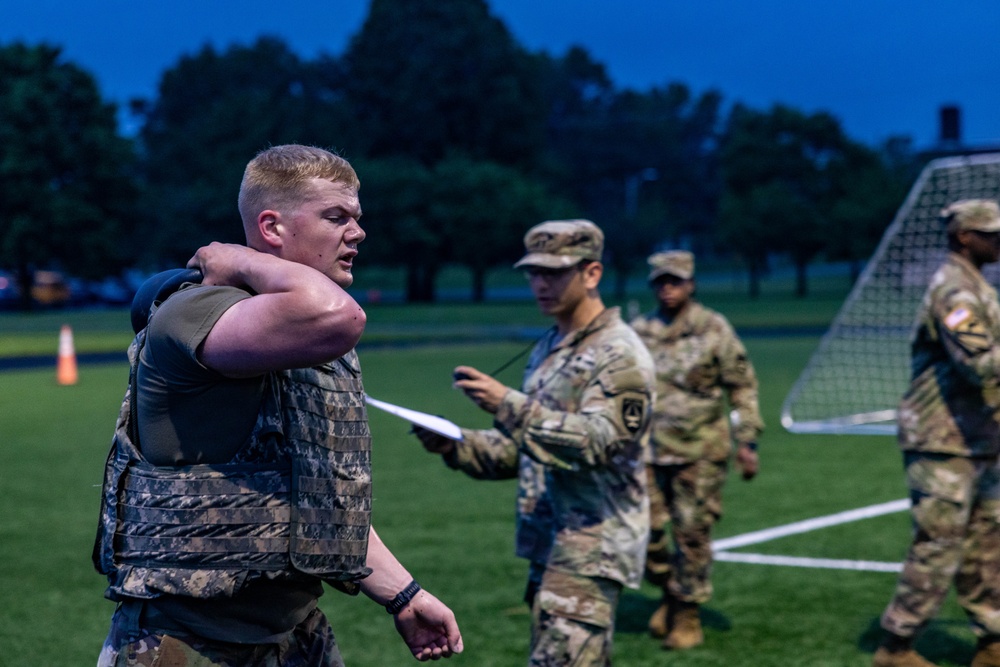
[439,425]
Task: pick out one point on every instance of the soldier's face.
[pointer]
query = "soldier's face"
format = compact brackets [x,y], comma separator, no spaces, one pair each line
[984,247]
[557,291]
[673,292]
[323,231]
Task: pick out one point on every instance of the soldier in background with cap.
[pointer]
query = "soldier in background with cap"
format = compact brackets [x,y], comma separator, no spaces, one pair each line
[949,432]
[700,366]
[574,437]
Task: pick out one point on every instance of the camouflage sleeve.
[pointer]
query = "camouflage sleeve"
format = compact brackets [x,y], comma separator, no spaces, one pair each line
[964,325]
[740,380]
[614,408]
[484,454]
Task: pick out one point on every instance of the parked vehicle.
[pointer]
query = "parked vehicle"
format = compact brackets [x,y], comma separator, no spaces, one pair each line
[50,289]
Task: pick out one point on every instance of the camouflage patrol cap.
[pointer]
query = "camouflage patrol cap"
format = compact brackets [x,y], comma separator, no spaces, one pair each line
[981,215]
[678,263]
[558,244]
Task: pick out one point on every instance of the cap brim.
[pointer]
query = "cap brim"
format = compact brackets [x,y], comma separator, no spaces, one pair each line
[657,273]
[547,261]
[988,227]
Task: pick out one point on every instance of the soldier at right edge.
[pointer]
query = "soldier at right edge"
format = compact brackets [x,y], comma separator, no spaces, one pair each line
[949,433]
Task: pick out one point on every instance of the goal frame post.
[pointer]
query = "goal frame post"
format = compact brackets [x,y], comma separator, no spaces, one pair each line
[881,419]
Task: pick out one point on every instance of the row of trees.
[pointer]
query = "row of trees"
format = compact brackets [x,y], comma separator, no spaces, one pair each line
[462,138]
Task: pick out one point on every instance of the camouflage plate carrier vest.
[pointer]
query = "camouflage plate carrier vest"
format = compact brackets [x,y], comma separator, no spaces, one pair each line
[295,499]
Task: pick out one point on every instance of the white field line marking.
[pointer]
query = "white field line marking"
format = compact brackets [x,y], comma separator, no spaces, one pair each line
[820,563]
[769,534]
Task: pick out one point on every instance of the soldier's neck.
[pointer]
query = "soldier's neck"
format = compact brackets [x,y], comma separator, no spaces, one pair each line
[670,314]
[582,315]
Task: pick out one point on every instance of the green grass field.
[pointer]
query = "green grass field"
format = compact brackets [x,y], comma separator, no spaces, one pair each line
[455,534]
[101,330]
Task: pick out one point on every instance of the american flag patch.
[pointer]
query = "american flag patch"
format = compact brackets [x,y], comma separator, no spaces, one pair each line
[956,317]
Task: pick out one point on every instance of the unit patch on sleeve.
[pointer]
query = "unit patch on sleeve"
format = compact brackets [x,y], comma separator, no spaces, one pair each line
[956,317]
[968,331]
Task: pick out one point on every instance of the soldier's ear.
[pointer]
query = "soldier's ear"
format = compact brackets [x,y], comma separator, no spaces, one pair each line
[270,227]
[592,272]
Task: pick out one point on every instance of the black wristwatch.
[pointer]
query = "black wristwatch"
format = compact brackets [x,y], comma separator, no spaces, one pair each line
[395,605]
[752,446]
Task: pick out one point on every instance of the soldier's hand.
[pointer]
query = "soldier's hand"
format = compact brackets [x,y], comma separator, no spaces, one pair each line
[481,389]
[222,263]
[429,629]
[433,442]
[747,460]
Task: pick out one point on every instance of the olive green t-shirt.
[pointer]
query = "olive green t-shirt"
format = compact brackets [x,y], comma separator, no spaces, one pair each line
[187,412]
[191,414]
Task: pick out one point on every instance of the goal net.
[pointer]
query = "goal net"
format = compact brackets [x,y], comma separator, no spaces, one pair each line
[855,378]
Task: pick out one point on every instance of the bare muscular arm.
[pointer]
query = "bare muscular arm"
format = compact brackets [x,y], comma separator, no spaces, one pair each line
[297,317]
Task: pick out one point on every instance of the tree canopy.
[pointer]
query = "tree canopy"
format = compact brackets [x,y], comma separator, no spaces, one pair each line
[66,198]
[427,78]
[483,210]
[463,211]
[788,177]
[463,139]
[216,110]
[641,165]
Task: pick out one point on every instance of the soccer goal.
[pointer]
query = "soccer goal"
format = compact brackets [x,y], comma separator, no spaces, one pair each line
[855,378]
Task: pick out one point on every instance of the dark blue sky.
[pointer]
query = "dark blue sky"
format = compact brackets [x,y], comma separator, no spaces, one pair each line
[883,67]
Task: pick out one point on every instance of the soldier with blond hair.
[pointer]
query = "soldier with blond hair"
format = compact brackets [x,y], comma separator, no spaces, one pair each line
[702,372]
[239,480]
[949,433]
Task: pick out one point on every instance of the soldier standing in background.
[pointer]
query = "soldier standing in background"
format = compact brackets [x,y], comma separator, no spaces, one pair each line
[700,365]
[949,432]
[574,437]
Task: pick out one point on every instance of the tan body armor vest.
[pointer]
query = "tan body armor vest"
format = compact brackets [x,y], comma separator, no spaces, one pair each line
[296,498]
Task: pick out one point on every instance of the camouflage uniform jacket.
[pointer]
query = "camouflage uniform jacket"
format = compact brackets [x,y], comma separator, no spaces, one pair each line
[700,365]
[575,438]
[296,499]
[953,403]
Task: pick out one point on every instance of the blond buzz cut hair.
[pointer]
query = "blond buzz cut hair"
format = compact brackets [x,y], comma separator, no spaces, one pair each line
[278,178]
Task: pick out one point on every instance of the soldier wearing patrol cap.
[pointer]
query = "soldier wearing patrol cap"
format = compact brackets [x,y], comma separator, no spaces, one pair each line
[701,366]
[949,433]
[574,436]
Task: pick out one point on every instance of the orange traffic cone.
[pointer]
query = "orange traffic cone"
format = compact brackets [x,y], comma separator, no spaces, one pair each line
[66,365]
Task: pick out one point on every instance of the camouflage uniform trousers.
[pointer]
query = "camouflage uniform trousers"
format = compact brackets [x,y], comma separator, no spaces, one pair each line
[573,621]
[956,520]
[311,644]
[685,499]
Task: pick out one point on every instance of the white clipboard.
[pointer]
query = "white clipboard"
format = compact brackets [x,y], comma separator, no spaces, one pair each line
[439,425]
